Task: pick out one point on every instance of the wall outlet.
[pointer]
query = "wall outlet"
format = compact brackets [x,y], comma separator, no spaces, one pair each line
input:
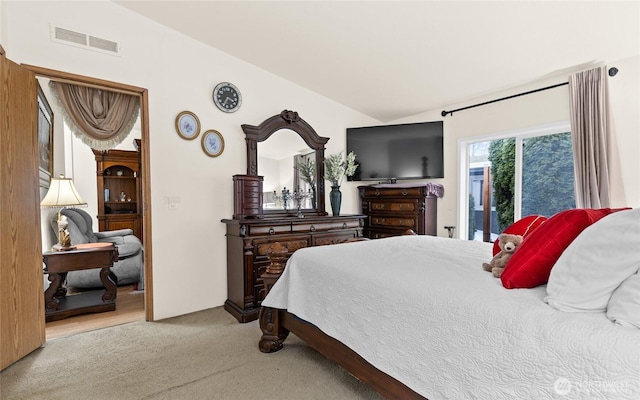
[172,202]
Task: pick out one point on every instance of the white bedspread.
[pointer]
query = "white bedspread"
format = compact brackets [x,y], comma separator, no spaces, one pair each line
[422,310]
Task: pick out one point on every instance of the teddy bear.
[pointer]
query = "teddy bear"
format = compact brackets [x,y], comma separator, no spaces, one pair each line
[508,244]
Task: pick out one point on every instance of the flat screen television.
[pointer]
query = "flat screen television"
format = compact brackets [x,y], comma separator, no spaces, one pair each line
[390,152]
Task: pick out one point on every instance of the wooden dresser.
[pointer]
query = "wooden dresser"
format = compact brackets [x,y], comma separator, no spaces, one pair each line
[249,242]
[253,231]
[391,209]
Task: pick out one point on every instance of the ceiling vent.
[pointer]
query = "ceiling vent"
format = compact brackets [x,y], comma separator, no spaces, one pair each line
[79,39]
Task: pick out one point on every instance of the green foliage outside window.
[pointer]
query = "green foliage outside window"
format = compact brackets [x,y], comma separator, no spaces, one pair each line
[502,154]
[547,178]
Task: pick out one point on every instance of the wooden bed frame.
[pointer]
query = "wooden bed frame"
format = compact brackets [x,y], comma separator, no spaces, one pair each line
[276,324]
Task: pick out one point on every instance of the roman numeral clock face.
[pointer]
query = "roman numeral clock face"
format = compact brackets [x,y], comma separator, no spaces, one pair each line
[227,97]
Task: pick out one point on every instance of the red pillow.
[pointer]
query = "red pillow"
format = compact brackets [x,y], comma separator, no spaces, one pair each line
[531,264]
[522,227]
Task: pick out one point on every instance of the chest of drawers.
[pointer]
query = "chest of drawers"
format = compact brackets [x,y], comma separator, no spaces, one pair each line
[249,242]
[392,209]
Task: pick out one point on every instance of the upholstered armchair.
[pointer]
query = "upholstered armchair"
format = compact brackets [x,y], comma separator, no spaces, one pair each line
[129,268]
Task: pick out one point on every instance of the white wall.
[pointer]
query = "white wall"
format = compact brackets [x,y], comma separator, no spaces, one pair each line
[539,109]
[270,169]
[189,248]
[624,95]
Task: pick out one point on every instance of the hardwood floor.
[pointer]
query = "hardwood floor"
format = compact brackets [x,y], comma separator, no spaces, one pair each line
[129,308]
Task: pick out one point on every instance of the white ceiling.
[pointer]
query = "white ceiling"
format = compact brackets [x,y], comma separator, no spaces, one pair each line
[392,59]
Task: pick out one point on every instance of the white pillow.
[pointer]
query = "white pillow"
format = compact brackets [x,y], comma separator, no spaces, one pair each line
[624,306]
[596,263]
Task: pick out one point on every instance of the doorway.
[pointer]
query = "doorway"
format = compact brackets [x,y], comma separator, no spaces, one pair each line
[142,94]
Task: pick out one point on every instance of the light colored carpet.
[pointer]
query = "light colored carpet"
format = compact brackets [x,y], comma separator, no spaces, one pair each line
[204,355]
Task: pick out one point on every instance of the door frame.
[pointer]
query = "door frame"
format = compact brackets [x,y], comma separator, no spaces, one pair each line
[143,95]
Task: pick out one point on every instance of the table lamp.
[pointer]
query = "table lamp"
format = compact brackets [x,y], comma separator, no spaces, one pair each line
[62,194]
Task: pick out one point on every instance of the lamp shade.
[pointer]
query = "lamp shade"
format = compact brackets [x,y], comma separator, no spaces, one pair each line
[62,193]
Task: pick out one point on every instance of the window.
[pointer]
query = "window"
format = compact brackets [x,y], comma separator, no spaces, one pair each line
[528,172]
[547,174]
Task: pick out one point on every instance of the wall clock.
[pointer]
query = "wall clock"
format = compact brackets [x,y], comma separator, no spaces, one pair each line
[212,143]
[227,97]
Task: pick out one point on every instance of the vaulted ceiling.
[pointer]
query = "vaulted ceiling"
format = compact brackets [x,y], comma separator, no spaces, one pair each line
[393,59]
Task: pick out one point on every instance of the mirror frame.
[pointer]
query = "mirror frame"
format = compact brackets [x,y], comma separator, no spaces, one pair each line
[288,120]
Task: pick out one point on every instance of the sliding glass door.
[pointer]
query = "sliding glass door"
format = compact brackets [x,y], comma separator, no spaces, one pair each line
[515,175]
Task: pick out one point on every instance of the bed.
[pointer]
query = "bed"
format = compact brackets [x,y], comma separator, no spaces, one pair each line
[418,317]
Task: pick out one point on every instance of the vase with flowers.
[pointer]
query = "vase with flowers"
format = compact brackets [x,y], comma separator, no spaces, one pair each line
[336,168]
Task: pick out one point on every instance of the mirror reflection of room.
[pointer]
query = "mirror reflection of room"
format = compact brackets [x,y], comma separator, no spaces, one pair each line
[279,158]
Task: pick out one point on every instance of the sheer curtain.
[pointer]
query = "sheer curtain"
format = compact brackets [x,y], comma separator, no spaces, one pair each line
[100,118]
[591,129]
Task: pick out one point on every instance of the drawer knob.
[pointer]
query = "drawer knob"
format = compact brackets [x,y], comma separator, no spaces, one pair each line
[404,192]
[344,225]
[312,228]
[272,231]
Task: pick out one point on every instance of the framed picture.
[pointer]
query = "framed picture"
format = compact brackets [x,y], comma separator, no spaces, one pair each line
[212,143]
[187,125]
[45,139]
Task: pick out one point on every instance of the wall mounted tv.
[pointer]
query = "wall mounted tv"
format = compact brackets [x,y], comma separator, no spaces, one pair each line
[390,152]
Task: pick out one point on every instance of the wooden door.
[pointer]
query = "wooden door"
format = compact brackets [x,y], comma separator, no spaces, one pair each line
[21,283]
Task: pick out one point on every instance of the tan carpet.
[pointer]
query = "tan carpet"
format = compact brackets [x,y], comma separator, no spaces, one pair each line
[204,355]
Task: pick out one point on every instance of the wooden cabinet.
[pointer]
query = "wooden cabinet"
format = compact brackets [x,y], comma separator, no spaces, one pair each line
[119,190]
[249,242]
[391,209]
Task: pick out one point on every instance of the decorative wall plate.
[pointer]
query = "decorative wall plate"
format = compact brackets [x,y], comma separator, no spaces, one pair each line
[187,125]
[212,143]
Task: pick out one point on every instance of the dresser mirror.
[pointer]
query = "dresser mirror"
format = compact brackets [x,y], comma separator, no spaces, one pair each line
[278,158]
[279,143]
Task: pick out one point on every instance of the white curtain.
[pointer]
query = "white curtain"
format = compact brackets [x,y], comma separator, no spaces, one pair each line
[591,130]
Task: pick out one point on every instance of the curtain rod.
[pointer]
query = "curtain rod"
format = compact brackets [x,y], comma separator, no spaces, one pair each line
[444,113]
[612,72]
